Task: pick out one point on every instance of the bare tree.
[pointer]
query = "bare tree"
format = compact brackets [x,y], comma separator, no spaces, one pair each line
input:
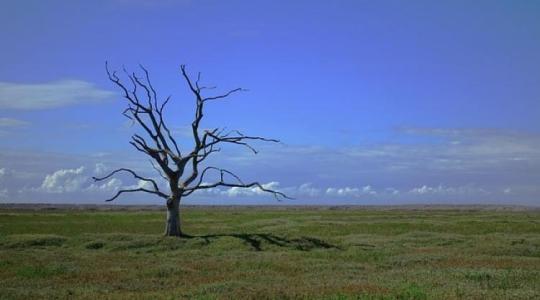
[182,170]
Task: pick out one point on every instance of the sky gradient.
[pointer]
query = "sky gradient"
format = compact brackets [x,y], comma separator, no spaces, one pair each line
[375,102]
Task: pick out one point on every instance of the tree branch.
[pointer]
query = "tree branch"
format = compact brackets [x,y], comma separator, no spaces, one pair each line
[162,146]
[276,194]
[120,192]
[239,139]
[200,186]
[224,95]
[150,117]
[153,182]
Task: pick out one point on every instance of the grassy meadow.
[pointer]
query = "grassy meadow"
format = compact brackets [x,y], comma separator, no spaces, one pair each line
[271,253]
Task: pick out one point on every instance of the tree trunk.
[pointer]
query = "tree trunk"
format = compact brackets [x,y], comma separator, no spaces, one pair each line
[172,227]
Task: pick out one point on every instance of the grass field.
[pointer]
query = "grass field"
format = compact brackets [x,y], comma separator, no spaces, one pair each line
[238,253]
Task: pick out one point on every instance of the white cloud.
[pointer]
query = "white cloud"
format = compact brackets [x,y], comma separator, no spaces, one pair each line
[2,172]
[100,168]
[3,194]
[346,191]
[350,191]
[304,190]
[307,189]
[11,123]
[110,186]
[65,180]
[143,184]
[424,190]
[427,167]
[49,95]
[253,191]
[368,190]
[461,190]
[391,191]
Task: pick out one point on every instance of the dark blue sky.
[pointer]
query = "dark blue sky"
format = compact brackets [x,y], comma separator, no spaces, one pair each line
[417,83]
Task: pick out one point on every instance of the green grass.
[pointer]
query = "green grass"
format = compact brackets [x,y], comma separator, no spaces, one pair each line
[271,253]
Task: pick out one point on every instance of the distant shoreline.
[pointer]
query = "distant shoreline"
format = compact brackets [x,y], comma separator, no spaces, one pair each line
[138,207]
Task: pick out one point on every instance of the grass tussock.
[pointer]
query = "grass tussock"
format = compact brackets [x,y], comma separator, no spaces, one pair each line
[271,254]
[24,241]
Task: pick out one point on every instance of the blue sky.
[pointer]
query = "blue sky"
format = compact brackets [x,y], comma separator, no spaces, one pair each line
[376,102]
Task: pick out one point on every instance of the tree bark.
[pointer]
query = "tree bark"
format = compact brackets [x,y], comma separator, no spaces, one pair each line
[173,225]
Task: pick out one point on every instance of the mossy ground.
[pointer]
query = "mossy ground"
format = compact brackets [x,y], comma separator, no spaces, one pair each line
[271,253]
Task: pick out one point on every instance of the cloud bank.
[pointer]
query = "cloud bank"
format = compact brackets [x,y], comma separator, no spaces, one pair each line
[442,166]
[19,96]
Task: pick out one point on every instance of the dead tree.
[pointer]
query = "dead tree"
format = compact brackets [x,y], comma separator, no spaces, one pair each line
[182,170]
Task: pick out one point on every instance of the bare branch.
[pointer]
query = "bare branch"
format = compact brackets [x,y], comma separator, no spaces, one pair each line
[276,194]
[222,173]
[147,89]
[120,192]
[150,85]
[158,170]
[153,182]
[225,95]
[188,80]
[164,126]
[162,147]
[239,139]
[207,88]
[222,182]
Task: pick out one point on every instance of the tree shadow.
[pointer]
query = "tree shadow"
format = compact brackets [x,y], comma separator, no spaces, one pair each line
[256,241]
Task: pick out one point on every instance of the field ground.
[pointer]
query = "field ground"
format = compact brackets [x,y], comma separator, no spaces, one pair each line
[259,253]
